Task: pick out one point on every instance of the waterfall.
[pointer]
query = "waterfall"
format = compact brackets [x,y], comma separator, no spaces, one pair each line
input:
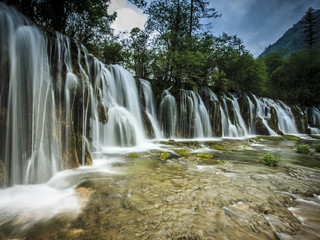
[240,122]
[30,138]
[44,101]
[168,114]
[314,120]
[252,110]
[194,119]
[58,103]
[230,129]
[263,112]
[286,122]
[120,94]
[150,107]
[315,116]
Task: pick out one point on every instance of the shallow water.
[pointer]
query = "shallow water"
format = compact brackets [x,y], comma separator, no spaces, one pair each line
[139,194]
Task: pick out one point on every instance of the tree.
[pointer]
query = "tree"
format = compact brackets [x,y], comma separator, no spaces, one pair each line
[138,54]
[309,21]
[112,52]
[201,10]
[84,20]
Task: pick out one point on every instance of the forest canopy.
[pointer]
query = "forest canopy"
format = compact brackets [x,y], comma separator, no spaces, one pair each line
[176,48]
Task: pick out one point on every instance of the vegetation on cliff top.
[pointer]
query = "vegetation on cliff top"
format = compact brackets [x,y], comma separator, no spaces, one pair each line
[175,48]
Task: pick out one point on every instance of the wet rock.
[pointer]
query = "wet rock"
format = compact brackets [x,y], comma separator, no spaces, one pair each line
[273,121]
[261,129]
[103,112]
[3,176]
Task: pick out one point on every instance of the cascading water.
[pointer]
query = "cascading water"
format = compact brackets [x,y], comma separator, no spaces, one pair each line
[263,113]
[59,101]
[149,103]
[32,152]
[286,122]
[229,128]
[125,126]
[44,103]
[193,119]
[168,114]
[252,110]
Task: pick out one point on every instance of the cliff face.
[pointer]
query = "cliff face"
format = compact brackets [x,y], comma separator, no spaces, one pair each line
[48,95]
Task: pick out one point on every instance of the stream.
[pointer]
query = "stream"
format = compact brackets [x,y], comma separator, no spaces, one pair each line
[174,190]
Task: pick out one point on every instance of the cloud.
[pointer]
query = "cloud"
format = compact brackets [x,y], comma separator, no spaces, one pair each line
[128,16]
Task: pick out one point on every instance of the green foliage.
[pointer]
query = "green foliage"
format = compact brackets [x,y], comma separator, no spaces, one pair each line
[270,159]
[295,78]
[297,37]
[112,52]
[303,148]
[292,137]
[137,53]
[84,20]
[318,147]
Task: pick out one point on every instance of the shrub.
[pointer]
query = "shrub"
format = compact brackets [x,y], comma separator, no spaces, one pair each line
[303,148]
[270,159]
[318,147]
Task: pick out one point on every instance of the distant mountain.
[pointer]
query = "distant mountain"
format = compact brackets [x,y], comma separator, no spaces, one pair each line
[294,39]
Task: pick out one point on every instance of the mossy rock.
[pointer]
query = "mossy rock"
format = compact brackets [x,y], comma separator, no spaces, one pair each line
[164,155]
[133,155]
[272,138]
[292,137]
[204,156]
[315,136]
[219,147]
[3,177]
[255,139]
[182,153]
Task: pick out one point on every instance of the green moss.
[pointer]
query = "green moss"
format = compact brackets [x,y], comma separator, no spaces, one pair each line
[315,136]
[303,148]
[205,156]
[164,155]
[318,147]
[292,137]
[255,139]
[219,147]
[133,155]
[271,138]
[183,153]
[270,159]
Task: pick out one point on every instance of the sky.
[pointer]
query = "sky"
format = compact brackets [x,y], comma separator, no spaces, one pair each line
[258,23]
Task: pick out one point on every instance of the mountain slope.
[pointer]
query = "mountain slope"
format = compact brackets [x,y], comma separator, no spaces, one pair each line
[294,39]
